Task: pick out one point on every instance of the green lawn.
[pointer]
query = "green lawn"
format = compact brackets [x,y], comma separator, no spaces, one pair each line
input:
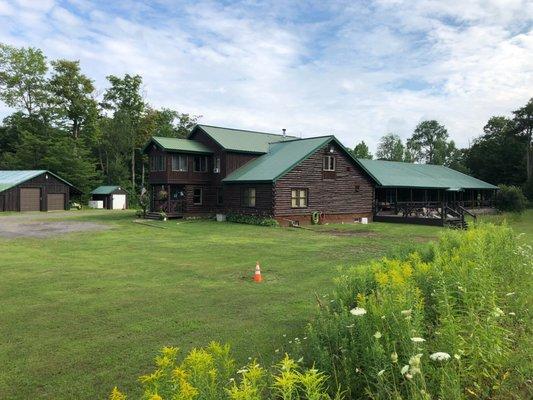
[84,312]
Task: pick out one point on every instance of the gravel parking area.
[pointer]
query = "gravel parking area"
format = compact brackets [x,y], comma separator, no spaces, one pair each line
[42,225]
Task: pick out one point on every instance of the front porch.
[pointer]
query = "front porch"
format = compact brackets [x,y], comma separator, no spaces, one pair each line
[437,207]
[169,199]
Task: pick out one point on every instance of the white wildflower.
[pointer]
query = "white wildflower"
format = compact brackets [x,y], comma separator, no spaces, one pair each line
[510,294]
[358,311]
[512,313]
[394,357]
[404,369]
[498,312]
[350,326]
[300,360]
[381,372]
[440,356]
[377,335]
[242,371]
[276,351]
[417,340]
[408,376]
[457,356]
[406,312]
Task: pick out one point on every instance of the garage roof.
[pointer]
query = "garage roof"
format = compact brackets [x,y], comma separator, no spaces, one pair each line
[428,176]
[105,189]
[9,179]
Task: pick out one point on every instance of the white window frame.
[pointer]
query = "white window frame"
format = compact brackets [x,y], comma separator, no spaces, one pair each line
[296,198]
[216,165]
[328,163]
[180,167]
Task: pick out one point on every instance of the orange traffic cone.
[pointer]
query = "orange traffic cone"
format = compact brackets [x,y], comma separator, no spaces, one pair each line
[257,275]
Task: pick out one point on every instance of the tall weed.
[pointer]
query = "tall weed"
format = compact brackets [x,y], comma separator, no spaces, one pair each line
[451,326]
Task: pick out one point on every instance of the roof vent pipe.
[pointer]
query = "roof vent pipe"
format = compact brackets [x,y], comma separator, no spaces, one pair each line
[284,133]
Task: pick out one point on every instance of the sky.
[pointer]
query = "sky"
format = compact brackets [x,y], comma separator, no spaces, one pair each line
[355,69]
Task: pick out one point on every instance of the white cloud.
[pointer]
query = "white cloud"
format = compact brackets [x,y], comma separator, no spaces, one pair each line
[355,71]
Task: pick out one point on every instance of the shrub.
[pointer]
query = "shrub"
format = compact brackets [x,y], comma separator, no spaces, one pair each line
[162,215]
[453,326]
[210,374]
[140,213]
[252,219]
[510,198]
[528,190]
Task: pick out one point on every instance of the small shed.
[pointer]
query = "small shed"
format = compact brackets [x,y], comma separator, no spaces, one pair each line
[34,190]
[112,197]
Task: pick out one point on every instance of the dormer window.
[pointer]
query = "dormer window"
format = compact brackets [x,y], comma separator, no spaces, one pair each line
[329,163]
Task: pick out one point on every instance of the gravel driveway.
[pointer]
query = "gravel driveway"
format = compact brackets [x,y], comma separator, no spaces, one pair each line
[42,225]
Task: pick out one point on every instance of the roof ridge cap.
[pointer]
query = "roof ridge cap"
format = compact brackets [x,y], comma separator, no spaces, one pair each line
[244,130]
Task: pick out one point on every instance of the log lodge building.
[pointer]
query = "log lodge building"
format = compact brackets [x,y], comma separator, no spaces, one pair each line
[219,170]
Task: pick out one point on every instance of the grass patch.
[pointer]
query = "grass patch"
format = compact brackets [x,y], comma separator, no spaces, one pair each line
[86,311]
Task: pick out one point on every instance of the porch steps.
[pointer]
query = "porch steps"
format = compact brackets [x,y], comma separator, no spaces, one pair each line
[456,223]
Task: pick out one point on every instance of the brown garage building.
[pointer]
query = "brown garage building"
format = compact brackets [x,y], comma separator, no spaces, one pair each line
[34,190]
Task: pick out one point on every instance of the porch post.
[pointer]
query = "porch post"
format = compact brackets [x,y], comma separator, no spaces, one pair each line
[168,198]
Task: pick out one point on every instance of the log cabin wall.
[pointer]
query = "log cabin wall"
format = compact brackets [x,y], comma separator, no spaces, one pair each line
[229,160]
[177,177]
[233,203]
[52,185]
[346,191]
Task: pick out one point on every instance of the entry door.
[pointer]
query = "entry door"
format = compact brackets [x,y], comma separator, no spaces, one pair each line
[30,199]
[55,201]
[119,201]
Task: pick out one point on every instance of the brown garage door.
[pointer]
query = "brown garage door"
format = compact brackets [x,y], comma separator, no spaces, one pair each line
[30,199]
[56,201]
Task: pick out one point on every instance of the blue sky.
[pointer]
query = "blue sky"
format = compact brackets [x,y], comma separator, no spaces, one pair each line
[357,69]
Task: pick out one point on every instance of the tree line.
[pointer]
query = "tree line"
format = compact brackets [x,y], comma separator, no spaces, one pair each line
[63,123]
[502,154]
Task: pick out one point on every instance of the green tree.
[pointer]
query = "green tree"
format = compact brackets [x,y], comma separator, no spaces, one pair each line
[429,143]
[73,96]
[390,148]
[23,78]
[125,100]
[523,128]
[361,151]
[498,156]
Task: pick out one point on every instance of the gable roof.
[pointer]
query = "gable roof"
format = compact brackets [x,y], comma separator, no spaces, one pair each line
[105,189]
[175,144]
[280,159]
[428,176]
[241,140]
[9,179]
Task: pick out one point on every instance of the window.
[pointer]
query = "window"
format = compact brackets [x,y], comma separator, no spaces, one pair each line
[157,163]
[197,196]
[200,163]
[216,168]
[248,197]
[220,196]
[329,163]
[179,162]
[298,198]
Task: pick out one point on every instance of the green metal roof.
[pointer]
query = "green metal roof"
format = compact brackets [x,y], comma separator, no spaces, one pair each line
[175,144]
[280,159]
[241,140]
[9,179]
[400,174]
[105,189]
